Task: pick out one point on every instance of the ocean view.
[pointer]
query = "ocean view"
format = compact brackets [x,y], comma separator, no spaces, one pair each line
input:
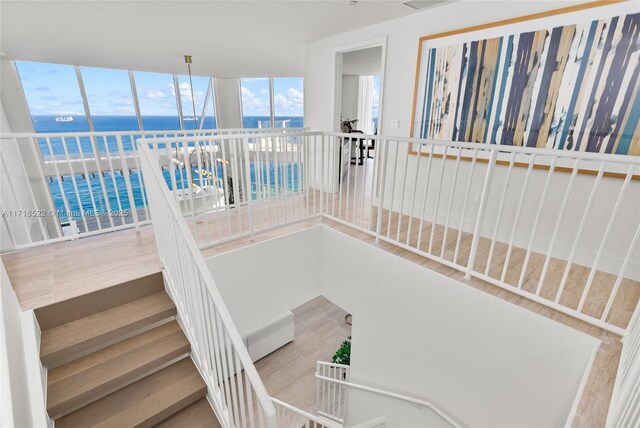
[81,192]
[48,124]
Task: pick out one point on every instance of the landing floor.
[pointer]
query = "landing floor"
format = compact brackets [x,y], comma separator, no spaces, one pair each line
[289,372]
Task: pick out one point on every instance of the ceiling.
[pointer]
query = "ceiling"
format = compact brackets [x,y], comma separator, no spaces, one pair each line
[226,38]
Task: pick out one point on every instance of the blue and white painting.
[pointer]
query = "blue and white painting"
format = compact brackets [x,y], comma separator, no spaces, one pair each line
[572,87]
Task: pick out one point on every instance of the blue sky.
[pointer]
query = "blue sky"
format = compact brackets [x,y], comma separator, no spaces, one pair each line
[52,89]
[287,94]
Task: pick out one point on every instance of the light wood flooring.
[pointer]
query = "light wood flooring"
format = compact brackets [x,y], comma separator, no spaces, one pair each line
[289,372]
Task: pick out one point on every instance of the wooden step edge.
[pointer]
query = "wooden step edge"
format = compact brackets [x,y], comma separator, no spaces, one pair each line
[75,308]
[64,355]
[117,382]
[106,344]
[129,382]
[171,410]
[198,415]
[138,419]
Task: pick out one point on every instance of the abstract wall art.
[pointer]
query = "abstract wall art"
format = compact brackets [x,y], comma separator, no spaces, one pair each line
[561,86]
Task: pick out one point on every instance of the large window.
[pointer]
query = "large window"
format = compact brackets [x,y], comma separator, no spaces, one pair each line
[376,103]
[256,103]
[53,96]
[277,102]
[109,97]
[56,101]
[288,101]
[202,92]
[157,99]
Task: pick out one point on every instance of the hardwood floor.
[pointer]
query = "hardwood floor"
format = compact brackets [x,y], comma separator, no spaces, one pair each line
[56,272]
[289,372]
[60,271]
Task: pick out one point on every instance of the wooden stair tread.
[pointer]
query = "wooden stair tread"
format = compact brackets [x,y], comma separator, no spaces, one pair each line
[198,415]
[65,341]
[146,402]
[84,305]
[87,379]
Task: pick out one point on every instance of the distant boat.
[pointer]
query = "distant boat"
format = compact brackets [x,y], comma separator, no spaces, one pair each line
[64,119]
[190,118]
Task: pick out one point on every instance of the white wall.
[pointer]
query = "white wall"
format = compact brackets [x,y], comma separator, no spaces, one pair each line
[261,282]
[416,332]
[350,85]
[15,401]
[362,62]
[22,377]
[228,103]
[401,51]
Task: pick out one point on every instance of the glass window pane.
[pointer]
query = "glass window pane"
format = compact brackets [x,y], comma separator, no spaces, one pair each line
[109,97]
[200,87]
[157,99]
[256,108]
[376,103]
[288,99]
[53,97]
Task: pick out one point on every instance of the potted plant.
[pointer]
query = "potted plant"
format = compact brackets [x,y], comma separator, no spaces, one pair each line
[343,354]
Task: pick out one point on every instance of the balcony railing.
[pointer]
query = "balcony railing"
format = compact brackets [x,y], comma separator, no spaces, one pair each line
[68,185]
[559,228]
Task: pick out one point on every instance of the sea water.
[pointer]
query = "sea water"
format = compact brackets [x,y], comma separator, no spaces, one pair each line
[95,194]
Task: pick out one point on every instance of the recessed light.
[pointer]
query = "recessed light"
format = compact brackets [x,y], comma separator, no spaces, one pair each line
[353,3]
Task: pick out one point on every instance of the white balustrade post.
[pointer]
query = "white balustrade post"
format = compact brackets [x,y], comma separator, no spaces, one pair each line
[323,147]
[247,171]
[127,181]
[481,211]
[381,182]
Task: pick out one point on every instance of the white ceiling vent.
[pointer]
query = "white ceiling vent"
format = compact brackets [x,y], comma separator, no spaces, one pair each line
[424,4]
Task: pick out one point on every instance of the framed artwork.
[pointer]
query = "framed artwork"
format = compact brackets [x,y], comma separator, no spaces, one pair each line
[550,80]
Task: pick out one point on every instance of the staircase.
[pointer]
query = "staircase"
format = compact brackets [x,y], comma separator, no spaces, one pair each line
[118,357]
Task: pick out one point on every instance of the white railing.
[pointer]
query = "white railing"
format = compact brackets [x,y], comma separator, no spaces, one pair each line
[560,228]
[336,388]
[467,206]
[624,410]
[289,416]
[241,184]
[557,227]
[234,387]
[447,201]
[62,186]
[576,251]
[332,397]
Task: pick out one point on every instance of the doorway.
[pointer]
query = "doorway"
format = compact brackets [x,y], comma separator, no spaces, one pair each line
[359,80]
